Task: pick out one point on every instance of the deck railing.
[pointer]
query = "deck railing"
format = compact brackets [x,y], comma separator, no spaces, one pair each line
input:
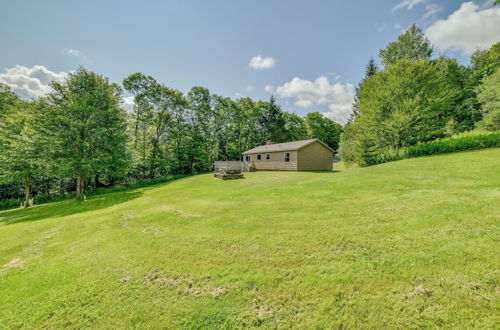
[231,165]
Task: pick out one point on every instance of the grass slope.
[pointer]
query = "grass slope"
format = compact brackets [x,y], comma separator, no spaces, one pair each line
[412,243]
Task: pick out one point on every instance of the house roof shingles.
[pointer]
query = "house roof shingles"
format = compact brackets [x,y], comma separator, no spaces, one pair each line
[288,146]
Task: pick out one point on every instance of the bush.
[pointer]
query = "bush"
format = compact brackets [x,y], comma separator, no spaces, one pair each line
[9,203]
[46,198]
[465,141]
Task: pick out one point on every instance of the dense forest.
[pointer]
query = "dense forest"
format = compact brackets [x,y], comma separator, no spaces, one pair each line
[418,98]
[80,137]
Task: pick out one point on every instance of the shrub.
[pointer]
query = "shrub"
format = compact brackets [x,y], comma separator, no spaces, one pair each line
[464,141]
[46,198]
[9,203]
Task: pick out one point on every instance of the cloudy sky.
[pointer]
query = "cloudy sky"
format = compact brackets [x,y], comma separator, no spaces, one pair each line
[310,54]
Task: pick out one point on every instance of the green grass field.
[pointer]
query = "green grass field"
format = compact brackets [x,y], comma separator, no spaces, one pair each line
[408,244]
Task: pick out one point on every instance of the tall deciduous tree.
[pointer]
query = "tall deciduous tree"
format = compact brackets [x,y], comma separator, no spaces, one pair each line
[489,96]
[411,45]
[8,100]
[295,127]
[22,155]
[85,122]
[200,150]
[322,128]
[400,106]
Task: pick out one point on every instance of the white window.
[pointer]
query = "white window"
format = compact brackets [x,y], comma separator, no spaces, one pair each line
[268,156]
[287,157]
[259,157]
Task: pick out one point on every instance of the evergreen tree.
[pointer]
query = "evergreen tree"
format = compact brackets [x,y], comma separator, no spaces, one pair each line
[371,69]
[272,121]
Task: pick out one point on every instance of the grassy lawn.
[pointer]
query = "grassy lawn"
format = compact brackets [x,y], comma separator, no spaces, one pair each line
[408,244]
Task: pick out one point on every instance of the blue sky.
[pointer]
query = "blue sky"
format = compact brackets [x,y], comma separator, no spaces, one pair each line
[312,52]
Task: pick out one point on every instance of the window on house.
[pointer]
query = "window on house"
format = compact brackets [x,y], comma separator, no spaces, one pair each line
[287,156]
[247,158]
[259,157]
[268,156]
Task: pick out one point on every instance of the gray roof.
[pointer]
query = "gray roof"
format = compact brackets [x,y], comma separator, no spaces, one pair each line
[288,146]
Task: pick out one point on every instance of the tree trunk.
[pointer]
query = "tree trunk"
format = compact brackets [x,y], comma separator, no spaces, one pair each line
[80,186]
[27,192]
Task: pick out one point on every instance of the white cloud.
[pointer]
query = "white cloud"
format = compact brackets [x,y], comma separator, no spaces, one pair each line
[431,10]
[262,63]
[398,26]
[30,82]
[466,29]
[249,88]
[408,4]
[71,52]
[336,96]
[269,89]
[128,103]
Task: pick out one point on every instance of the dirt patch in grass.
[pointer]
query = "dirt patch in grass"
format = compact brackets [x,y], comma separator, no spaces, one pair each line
[262,311]
[181,213]
[128,217]
[126,279]
[186,285]
[419,290]
[14,263]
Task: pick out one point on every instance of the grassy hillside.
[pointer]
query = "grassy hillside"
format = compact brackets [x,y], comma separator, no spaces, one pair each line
[412,243]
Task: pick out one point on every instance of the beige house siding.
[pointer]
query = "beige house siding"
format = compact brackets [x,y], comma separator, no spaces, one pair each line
[276,161]
[315,157]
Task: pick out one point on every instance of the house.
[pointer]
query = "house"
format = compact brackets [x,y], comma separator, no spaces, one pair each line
[306,155]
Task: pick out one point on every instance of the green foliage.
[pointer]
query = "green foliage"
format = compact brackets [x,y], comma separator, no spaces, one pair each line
[485,62]
[8,100]
[371,69]
[400,106]
[461,142]
[9,203]
[464,110]
[325,129]
[271,121]
[489,96]
[295,127]
[412,45]
[86,127]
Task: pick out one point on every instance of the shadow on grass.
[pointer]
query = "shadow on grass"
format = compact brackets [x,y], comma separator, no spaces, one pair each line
[66,208]
[322,172]
[70,207]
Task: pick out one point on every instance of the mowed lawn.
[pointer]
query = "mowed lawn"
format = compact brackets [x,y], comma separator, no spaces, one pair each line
[408,244]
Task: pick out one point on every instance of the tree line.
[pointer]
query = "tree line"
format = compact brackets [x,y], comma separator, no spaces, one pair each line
[416,98]
[79,136]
